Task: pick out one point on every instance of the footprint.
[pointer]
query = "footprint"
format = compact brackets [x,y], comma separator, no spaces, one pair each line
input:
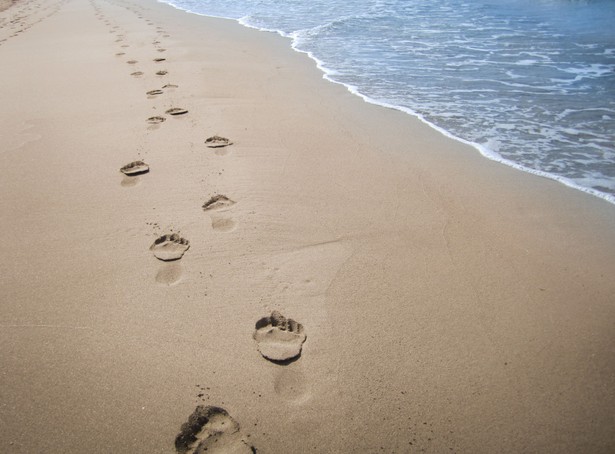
[137,74]
[161,50]
[161,73]
[212,430]
[158,60]
[218,142]
[125,45]
[132,62]
[176,111]
[155,120]
[169,247]
[218,202]
[279,339]
[170,273]
[220,222]
[120,54]
[170,86]
[135,168]
[154,92]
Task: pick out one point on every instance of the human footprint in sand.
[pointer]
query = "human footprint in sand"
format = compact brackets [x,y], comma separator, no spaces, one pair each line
[279,338]
[212,430]
[218,142]
[135,168]
[170,247]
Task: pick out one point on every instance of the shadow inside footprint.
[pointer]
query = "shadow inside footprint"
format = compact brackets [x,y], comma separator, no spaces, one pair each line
[154,92]
[169,247]
[279,339]
[135,168]
[158,60]
[211,429]
[218,142]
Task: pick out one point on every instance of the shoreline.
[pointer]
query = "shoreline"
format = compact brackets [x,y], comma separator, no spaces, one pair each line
[328,74]
[446,302]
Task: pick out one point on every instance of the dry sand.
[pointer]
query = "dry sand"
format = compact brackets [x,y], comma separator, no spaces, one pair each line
[448,303]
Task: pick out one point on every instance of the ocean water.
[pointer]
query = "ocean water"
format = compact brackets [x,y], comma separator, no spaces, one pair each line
[530,83]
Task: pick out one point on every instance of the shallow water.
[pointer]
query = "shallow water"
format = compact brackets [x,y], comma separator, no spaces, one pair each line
[529,83]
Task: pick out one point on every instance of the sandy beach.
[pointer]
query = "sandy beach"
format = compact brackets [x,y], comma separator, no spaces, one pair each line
[441,302]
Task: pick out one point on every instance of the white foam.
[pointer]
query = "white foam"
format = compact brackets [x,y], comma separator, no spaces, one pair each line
[526,62]
[487,149]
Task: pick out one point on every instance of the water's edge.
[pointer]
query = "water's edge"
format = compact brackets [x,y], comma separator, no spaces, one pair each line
[484,151]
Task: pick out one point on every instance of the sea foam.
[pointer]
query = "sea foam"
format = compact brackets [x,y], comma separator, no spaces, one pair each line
[528,84]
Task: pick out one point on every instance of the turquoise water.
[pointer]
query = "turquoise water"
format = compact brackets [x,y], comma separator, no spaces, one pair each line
[528,83]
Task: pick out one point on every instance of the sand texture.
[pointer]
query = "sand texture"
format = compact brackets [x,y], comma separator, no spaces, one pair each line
[443,302]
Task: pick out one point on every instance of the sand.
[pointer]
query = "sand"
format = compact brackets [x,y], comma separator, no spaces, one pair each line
[447,303]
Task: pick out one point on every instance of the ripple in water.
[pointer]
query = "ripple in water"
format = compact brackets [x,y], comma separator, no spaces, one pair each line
[531,83]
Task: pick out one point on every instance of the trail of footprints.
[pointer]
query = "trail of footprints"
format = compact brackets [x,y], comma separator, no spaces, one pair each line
[278,339]
[18,17]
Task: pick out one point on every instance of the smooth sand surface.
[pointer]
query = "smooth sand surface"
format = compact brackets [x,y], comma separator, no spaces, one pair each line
[449,303]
